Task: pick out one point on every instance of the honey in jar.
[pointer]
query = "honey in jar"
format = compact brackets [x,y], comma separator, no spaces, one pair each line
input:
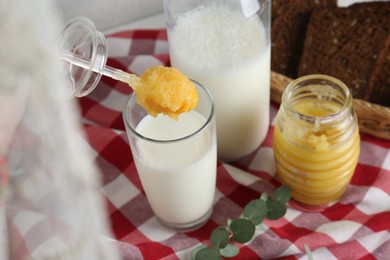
[316,140]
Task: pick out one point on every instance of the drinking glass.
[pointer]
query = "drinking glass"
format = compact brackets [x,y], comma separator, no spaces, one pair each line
[225,45]
[176,161]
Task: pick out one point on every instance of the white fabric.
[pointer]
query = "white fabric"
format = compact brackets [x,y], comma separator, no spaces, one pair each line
[50,204]
[109,14]
[117,15]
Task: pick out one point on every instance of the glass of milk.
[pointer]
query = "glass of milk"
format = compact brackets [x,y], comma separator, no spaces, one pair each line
[225,45]
[176,161]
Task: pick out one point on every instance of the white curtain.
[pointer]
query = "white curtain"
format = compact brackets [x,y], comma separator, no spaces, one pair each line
[50,205]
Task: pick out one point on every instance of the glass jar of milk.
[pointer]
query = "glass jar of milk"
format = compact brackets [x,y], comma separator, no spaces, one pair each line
[225,45]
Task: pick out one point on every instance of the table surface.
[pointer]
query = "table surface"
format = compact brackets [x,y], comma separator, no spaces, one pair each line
[356,227]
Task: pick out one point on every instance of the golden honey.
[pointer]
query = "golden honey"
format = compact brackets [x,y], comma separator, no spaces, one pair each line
[165,90]
[316,140]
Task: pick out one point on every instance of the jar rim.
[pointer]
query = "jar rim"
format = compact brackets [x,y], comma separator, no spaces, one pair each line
[322,79]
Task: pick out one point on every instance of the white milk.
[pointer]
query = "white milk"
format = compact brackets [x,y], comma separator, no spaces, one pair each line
[179,178]
[228,54]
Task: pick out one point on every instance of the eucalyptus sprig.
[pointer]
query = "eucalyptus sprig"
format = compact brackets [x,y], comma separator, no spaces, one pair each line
[243,228]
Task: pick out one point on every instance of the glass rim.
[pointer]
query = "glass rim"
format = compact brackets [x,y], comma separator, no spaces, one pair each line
[344,109]
[210,117]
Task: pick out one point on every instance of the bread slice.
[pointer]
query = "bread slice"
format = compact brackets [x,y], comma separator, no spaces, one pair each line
[289,23]
[346,43]
[379,89]
[279,8]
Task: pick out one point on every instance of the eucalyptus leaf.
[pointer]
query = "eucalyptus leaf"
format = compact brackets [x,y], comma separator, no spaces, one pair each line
[242,229]
[208,254]
[229,251]
[196,250]
[282,194]
[264,196]
[256,210]
[276,209]
[219,237]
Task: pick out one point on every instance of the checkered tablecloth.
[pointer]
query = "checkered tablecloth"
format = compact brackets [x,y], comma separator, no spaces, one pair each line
[358,227]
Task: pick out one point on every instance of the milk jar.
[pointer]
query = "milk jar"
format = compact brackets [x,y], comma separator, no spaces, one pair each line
[225,45]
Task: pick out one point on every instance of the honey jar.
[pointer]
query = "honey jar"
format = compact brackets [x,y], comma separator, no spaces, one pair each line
[316,140]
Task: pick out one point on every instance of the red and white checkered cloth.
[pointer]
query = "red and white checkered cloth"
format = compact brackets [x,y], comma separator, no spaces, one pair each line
[358,227]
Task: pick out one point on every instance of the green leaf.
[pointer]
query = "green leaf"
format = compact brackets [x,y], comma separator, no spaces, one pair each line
[220,237]
[264,196]
[282,194]
[256,210]
[229,251]
[196,250]
[242,229]
[276,209]
[208,254]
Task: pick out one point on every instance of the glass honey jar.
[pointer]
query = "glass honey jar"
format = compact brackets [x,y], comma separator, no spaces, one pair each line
[316,140]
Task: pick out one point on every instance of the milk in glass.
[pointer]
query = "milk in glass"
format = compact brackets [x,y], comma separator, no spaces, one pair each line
[179,185]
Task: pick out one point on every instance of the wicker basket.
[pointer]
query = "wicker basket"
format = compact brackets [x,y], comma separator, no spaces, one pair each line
[373,119]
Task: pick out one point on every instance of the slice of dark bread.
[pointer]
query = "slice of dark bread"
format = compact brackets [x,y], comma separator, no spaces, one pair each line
[377,13]
[379,91]
[279,8]
[289,22]
[346,43]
